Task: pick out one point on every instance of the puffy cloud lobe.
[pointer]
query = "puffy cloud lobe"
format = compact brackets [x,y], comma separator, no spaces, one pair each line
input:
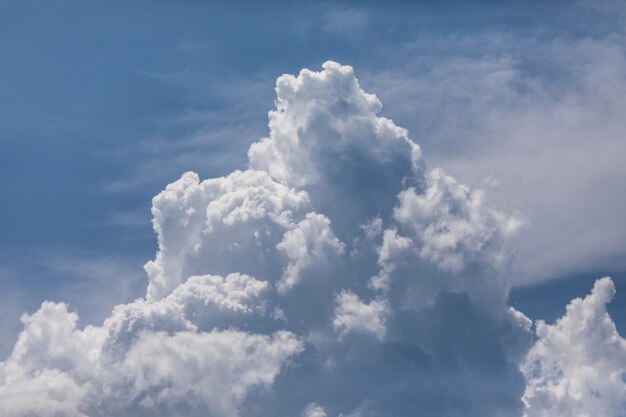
[234,293]
[50,393]
[390,253]
[48,371]
[453,225]
[147,358]
[209,371]
[201,302]
[352,315]
[311,241]
[577,367]
[206,226]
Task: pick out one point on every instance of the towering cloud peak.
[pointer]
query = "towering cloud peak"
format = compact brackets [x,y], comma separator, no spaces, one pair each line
[326,136]
[324,118]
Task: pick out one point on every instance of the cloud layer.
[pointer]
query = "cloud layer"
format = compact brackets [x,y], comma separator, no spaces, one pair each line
[336,275]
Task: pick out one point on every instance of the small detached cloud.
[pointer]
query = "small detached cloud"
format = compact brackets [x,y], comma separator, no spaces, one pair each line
[355,316]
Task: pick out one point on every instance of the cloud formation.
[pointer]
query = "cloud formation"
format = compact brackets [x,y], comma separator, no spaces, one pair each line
[337,275]
[355,316]
[535,116]
[577,367]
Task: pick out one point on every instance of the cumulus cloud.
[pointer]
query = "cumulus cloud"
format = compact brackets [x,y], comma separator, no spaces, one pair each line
[336,270]
[352,315]
[146,356]
[48,368]
[313,410]
[577,366]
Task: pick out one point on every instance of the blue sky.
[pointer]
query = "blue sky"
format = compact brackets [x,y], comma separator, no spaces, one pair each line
[103,104]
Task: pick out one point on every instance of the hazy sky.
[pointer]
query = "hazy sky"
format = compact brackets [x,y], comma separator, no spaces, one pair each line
[508,187]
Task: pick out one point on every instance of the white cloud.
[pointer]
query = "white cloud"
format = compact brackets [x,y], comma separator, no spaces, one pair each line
[577,366]
[326,137]
[213,370]
[390,253]
[453,224]
[252,264]
[352,315]
[201,302]
[49,393]
[313,410]
[236,293]
[48,370]
[298,143]
[373,228]
[146,356]
[210,224]
[311,241]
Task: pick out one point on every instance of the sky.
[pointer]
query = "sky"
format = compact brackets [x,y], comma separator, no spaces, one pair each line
[418,205]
